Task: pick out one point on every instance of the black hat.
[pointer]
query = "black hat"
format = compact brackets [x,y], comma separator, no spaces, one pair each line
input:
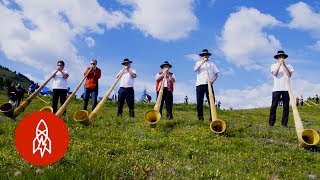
[205,52]
[280,53]
[126,60]
[165,63]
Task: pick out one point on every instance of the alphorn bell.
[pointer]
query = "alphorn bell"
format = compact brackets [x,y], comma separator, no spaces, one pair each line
[66,103]
[8,109]
[306,137]
[217,125]
[153,116]
[84,117]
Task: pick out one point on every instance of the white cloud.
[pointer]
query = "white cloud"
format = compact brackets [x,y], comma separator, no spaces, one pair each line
[304,17]
[41,32]
[90,41]
[243,41]
[316,46]
[165,20]
[193,57]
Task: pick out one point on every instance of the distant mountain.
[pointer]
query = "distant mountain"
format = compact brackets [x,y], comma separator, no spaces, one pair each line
[8,76]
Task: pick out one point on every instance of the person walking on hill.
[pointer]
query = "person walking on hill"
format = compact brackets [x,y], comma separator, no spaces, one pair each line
[167,96]
[91,85]
[12,94]
[126,91]
[279,71]
[202,83]
[60,86]
[317,99]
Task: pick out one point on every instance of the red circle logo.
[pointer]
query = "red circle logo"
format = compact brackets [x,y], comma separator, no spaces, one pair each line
[42,138]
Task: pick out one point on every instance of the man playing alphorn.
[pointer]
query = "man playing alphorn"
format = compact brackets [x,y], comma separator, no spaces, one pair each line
[202,83]
[167,96]
[279,71]
[91,85]
[126,91]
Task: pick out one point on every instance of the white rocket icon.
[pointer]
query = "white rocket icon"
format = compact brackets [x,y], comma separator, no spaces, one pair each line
[42,142]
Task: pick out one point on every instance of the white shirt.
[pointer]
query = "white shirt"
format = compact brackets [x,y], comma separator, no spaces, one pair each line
[279,81]
[202,72]
[59,82]
[126,79]
[165,85]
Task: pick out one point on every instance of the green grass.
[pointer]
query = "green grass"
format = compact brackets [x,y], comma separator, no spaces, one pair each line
[183,148]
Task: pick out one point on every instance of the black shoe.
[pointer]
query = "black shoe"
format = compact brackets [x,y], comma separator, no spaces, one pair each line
[210,120]
[169,117]
[271,125]
[119,115]
[200,118]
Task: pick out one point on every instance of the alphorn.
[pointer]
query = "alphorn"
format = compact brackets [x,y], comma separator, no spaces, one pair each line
[217,125]
[43,100]
[313,103]
[306,137]
[307,104]
[84,117]
[8,109]
[153,116]
[66,103]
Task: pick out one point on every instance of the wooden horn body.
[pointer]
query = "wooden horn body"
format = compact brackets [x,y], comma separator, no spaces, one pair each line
[217,125]
[306,137]
[84,117]
[17,111]
[153,116]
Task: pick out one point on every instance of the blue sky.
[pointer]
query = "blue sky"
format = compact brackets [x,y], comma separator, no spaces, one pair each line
[243,36]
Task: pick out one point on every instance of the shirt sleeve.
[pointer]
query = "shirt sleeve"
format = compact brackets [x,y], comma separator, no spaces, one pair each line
[214,67]
[157,76]
[173,76]
[290,68]
[197,63]
[273,67]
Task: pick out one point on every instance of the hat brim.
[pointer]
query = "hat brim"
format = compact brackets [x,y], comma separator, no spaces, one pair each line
[203,54]
[126,62]
[277,55]
[170,66]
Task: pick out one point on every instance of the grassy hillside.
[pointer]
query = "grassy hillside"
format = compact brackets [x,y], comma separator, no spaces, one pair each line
[7,77]
[183,148]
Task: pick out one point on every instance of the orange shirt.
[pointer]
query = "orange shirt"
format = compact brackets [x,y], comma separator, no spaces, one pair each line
[92,78]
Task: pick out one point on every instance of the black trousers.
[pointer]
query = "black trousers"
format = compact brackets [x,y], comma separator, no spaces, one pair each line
[128,95]
[275,98]
[93,93]
[167,97]
[56,95]
[201,90]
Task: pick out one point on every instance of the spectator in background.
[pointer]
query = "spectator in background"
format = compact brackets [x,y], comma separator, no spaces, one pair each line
[37,86]
[301,101]
[297,101]
[148,98]
[20,93]
[12,94]
[317,99]
[32,87]
[186,100]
